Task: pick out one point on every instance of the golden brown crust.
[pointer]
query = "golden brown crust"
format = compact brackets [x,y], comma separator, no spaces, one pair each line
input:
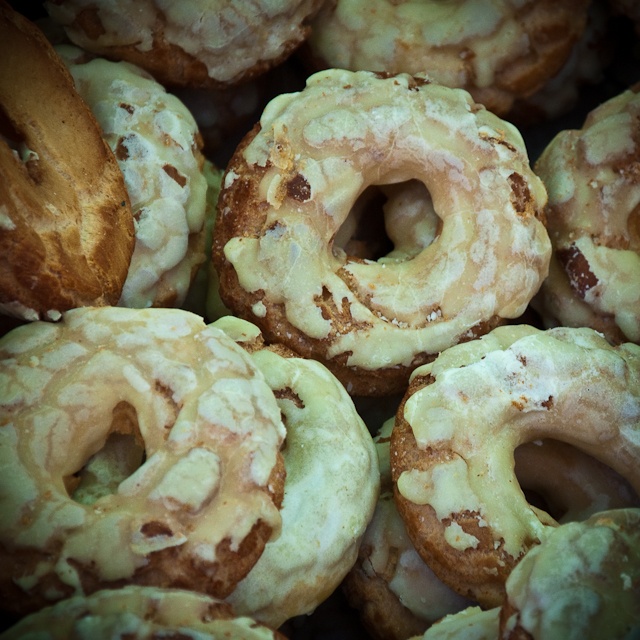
[482,574]
[67,227]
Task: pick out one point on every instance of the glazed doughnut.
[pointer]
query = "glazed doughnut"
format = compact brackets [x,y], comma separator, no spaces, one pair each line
[591,175]
[66,224]
[192,43]
[292,182]
[498,50]
[179,419]
[396,593]
[137,613]
[583,581]
[330,491]
[456,488]
[157,144]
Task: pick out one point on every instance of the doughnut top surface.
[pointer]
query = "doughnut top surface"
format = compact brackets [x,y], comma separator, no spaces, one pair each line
[139,613]
[512,386]
[188,397]
[291,186]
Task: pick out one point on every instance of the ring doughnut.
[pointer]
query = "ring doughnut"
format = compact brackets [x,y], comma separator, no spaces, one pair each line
[329,447]
[138,613]
[396,592]
[157,144]
[456,489]
[211,43]
[66,227]
[583,581]
[498,50]
[186,430]
[292,182]
[593,216]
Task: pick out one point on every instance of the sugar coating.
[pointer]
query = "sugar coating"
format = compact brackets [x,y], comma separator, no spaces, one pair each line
[593,204]
[229,38]
[512,386]
[156,142]
[203,479]
[593,592]
[138,612]
[346,131]
[328,446]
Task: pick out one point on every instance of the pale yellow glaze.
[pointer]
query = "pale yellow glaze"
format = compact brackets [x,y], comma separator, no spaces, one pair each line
[347,131]
[330,492]
[515,385]
[594,194]
[137,613]
[582,582]
[210,427]
[229,38]
[155,140]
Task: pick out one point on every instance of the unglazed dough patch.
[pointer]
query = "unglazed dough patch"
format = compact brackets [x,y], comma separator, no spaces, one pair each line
[353,130]
[205,476]
[156,142]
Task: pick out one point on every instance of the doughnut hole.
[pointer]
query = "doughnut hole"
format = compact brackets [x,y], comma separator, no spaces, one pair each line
[17,143]
[567,483]
[389,223]
[122,453]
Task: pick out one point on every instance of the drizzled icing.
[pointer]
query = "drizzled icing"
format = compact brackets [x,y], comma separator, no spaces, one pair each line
[318,150]
[208,422]
[515,385]
[156,142]
[592,220]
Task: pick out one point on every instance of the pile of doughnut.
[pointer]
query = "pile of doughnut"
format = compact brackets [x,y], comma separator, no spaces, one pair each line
[320,319]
